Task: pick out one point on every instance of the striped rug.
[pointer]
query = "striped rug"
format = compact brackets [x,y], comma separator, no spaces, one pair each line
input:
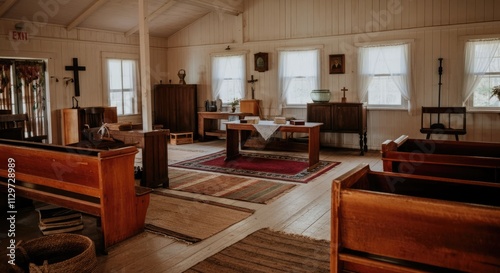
[189,219]
[226,186]
[269,251]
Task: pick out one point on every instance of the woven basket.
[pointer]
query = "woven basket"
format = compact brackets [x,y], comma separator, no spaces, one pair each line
[58,253]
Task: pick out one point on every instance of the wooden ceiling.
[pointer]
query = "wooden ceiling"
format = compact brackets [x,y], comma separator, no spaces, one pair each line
[165,16]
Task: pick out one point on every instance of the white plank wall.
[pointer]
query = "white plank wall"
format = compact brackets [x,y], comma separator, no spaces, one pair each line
[438,27]
[60,46]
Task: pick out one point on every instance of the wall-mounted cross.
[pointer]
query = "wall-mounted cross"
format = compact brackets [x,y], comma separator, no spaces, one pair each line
[344,99]
[252,82]
[75,68]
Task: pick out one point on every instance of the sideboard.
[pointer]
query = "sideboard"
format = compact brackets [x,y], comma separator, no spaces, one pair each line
[341,117]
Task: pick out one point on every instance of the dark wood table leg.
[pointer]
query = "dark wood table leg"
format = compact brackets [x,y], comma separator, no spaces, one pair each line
[232,144]
[313,147]
[366,141]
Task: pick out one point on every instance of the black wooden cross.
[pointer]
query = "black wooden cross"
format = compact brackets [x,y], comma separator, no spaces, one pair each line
[75,68]
[252,82]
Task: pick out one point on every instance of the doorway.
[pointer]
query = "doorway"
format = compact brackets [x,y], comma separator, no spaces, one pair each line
[23,90]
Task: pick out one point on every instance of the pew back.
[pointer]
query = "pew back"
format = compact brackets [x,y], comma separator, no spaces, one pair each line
[453,159]
[388,222]
[97,182]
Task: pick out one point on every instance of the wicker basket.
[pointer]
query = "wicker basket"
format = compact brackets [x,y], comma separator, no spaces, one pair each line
[58,253]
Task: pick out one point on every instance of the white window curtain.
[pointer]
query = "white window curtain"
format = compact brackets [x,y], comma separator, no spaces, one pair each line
[478,57]
[392,60]
[295,64]
[228,67]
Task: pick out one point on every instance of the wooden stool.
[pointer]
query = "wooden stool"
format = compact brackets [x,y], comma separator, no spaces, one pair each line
[181,138]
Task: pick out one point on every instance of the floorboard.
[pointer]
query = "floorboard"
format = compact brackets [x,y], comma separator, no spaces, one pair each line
[303,210]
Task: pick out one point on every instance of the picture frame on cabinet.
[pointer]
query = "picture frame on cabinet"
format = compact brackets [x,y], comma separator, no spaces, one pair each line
[337,64]
[261,62]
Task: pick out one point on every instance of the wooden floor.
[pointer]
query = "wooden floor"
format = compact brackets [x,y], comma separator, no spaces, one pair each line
[304,210]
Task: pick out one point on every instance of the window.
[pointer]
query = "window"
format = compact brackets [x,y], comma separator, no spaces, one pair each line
[482,73]
[228,77]
[384,79]
[298,76]
[123,86]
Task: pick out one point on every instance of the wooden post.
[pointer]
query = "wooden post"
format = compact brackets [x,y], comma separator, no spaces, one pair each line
[147,123]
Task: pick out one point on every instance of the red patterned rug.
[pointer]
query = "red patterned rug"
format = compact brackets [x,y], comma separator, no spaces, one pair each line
[268,166]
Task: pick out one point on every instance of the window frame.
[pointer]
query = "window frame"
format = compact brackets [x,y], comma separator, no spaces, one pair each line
[469,101]
[106,56]
[406,103]
[215,93]
[283,98]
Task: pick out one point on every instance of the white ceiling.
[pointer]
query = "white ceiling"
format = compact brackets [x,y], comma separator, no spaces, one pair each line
[165,16]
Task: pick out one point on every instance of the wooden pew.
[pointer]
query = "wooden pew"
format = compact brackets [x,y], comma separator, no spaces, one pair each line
[390,222]
[463,160]
[96,182]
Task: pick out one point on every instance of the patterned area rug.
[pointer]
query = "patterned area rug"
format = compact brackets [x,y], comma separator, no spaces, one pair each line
[286,168]
[269,251]
[189,219]
[226,186]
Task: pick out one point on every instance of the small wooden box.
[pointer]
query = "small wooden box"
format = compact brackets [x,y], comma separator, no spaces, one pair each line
[297,122]
[181,138]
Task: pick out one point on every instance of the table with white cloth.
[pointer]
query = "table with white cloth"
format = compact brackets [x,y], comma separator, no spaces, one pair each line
[236,133]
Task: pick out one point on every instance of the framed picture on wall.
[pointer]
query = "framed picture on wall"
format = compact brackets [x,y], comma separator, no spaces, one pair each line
[261,62]
[337,64]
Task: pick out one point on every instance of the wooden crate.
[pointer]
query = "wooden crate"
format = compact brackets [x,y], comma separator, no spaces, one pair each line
[181,138]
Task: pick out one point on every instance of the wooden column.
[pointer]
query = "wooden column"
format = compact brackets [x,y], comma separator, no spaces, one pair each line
[147,122]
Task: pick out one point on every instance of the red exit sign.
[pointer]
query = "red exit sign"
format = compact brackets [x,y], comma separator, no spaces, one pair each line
[18,35]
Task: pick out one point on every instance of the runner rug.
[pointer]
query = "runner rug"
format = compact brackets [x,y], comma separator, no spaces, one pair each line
[269,166]
[189,219]
[226,186]
[269,251]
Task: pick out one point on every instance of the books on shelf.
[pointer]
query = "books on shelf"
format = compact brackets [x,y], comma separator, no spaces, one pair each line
[54,219]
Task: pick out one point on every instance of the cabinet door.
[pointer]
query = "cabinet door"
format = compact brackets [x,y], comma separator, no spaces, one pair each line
[164,106]
[320,112]
[347,118]
[186,108]
[175,107]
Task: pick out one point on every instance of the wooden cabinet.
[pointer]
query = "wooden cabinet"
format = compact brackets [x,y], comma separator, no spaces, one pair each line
[340,117]
[74,119]
[175,107]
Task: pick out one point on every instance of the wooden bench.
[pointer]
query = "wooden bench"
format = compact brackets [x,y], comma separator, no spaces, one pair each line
[12,121]
[443,158]
[389,222]
[96,182]
[454,117]
[181,138]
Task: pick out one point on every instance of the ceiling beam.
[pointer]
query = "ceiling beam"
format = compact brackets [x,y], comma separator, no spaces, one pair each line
[6,6]
[214,6]
[153,15]
[85,14]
